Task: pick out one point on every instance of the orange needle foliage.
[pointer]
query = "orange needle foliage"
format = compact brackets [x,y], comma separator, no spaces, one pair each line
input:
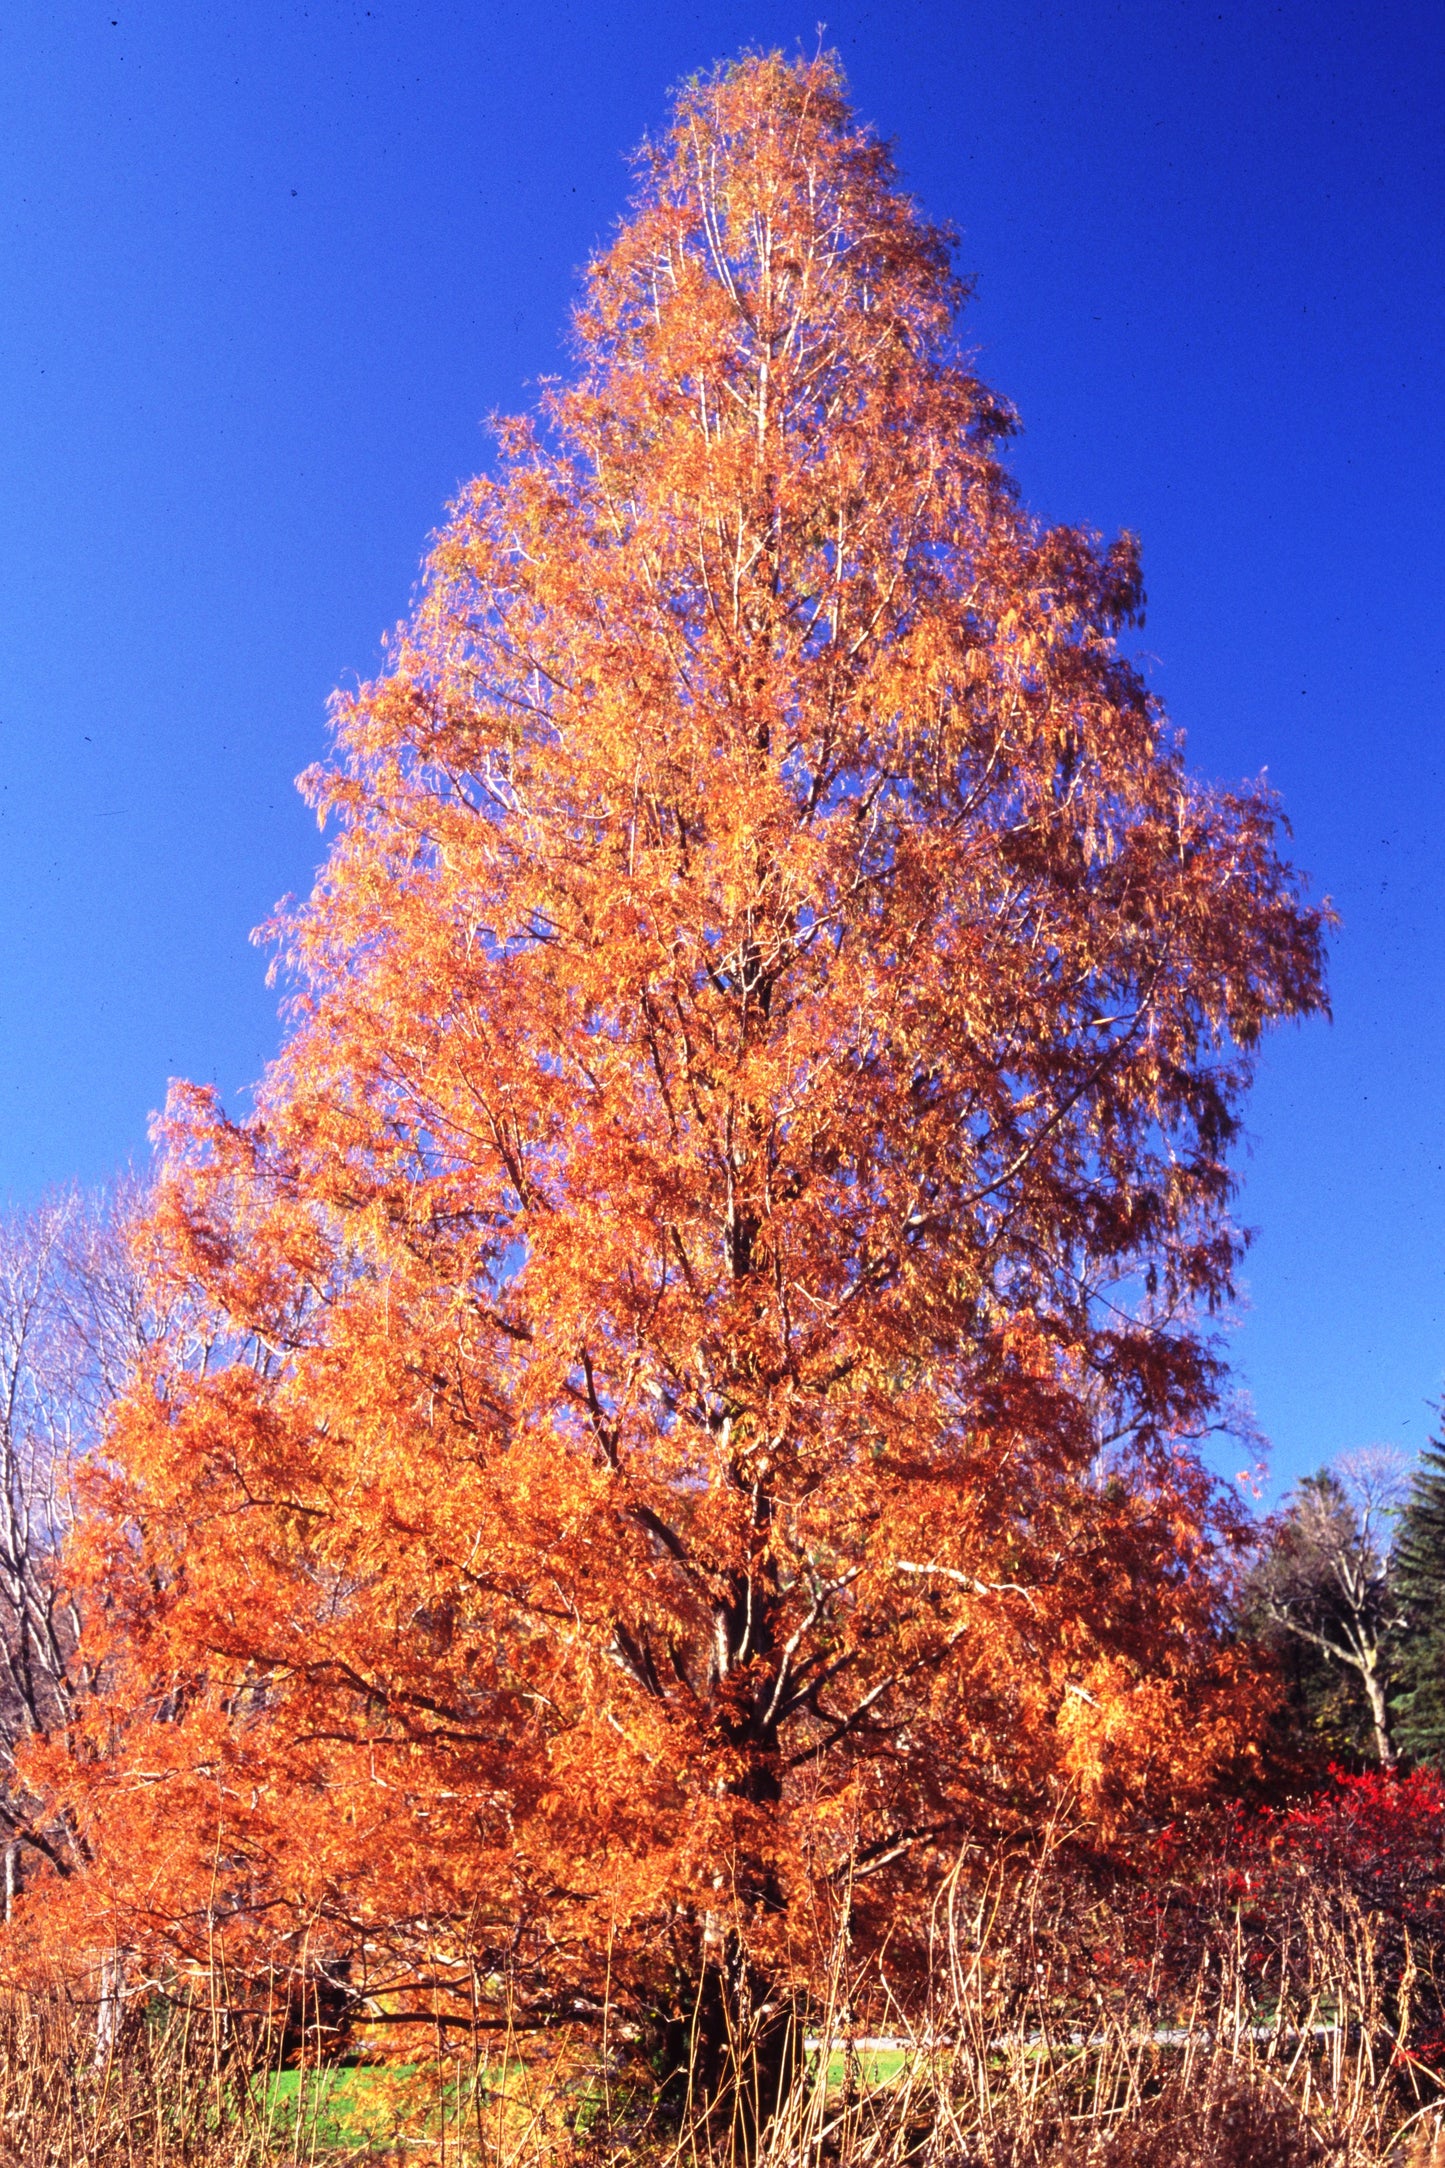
[709,1318]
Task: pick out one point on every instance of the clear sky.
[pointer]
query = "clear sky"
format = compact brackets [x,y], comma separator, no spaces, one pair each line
[265,269]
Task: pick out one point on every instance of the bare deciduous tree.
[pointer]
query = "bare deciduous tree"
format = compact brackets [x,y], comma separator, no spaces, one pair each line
[72,1324]
[1322,1573]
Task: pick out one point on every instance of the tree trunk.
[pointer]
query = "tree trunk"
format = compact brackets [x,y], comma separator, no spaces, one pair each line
[1379,1716]
[744,2048]
[109,2006]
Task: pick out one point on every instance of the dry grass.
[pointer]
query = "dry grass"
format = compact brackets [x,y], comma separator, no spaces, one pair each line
[1061,2030]
[61,2104]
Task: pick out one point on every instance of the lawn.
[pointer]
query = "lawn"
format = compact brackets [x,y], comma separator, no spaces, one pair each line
[368,2103]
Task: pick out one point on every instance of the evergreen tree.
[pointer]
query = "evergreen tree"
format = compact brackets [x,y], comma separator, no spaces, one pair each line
[1420,1577]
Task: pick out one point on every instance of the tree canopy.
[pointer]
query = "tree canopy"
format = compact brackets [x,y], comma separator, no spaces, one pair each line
[708,1326]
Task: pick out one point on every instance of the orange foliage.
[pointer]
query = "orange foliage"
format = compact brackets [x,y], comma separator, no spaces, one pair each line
[709,1318]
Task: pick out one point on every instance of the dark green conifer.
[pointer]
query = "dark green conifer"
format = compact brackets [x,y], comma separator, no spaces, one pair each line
[1419,1573]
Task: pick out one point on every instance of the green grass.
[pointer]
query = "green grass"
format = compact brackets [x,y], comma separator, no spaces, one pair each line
[872,2067]
[330,2105]
[356,2104]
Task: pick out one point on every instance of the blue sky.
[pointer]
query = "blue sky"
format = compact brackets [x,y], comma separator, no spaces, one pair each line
[264,271]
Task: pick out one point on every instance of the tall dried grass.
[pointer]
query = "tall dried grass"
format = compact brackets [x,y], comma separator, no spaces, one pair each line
[152,2100]
[1062,2026]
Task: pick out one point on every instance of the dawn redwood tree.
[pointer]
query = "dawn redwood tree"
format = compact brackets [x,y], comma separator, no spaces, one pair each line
[715,1292]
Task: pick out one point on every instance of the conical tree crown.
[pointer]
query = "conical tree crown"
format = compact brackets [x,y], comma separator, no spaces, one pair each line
[753,744]
[715,1279]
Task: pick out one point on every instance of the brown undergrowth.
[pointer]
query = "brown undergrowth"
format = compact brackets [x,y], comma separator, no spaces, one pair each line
[1202,2024]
